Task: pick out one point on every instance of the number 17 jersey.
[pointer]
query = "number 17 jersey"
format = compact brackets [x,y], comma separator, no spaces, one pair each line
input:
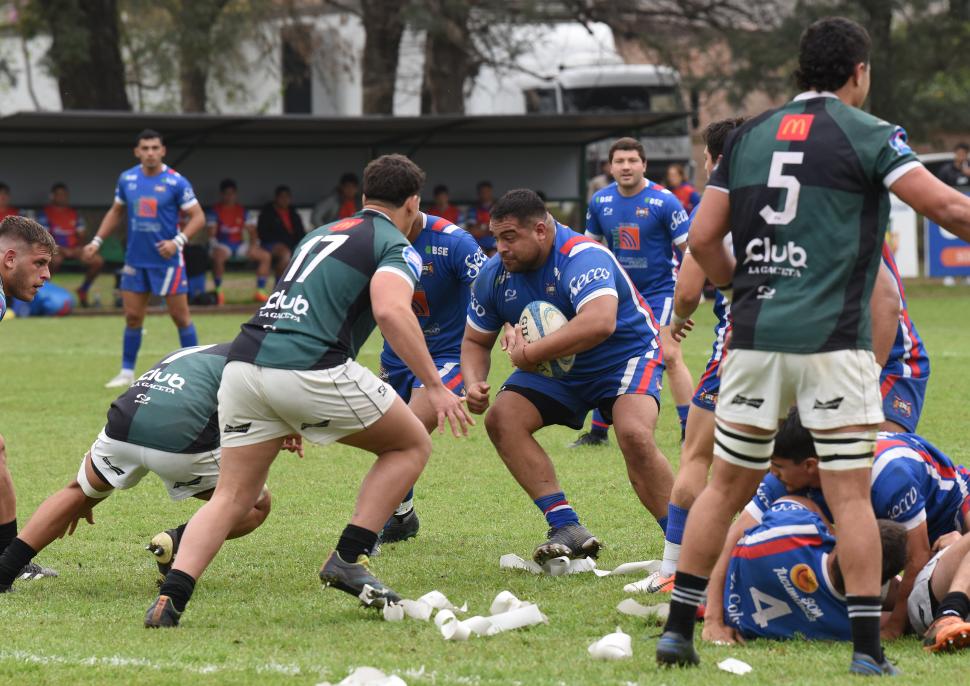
[809,209]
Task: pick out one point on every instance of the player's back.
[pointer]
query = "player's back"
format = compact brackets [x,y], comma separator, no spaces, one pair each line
[809,204]
[320,313]
[173,406]
[778,583]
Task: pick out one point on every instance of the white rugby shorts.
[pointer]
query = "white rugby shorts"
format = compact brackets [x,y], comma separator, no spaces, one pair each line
[919,606]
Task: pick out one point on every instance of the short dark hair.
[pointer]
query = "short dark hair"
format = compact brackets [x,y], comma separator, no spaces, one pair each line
[892,536]
[28,231]
[282,188]
[522,204]
[148,134]
[440,188]
[348,177]
[59,185]
[483,184]
[962,146]
[794,442]
[226,184]
[716,133]
[628,143]
[4,187]
[392,179]
[828,53]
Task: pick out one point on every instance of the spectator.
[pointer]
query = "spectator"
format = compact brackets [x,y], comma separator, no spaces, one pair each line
[6,209]
[67,227]
[280,228]
[479,215]
[957,173]
[442,205]
[342,202]
[232,234]
[601,180]
[684,190]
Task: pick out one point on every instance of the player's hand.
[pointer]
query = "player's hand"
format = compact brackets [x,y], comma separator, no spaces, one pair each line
[87,515]
[294,444]
[891,630]
[680,328]
[508,337]
[476,397]
[517,352]
[451,408]
[946,540]
[720,633]
[167,248]
[89,251]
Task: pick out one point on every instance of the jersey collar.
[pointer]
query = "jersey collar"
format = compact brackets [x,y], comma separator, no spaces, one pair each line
[377,212]
[808,95]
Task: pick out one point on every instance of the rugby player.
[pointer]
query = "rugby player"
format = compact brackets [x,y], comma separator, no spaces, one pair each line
[67,226]
[839,161]
[26,251]
[151,194]
[292,370]
[229,227]
[165,423]
[451,259]
[641,222]
[618,365]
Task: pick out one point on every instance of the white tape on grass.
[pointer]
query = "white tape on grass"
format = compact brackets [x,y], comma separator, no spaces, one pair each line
[558,566]
[615,646]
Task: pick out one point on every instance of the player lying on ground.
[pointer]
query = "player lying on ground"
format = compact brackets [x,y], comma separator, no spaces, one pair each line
[165,423]
[938,604]
[617,368]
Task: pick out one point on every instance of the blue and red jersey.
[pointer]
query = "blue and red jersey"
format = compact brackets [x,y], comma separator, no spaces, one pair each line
[577,270]
[3,301]
[230,222]
[641,231]
[451,260]
[153,204]
[908,357]
[64,223]
[480,216]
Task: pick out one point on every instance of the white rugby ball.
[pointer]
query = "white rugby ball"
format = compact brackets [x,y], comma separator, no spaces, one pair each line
[538,319]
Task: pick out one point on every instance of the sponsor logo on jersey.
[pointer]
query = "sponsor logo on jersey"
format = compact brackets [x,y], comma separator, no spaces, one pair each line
[804,578]
[603,199]
[474,262]
[578,283]
[750,402]
[607,212]
[148,207]
[132,186]
[131,177]
[278,306]
[346,224]
[419,303]
[678,218]
[117,470]
[436,250]
[898,142]
[194,482]
[832,404]
[237,428]
[904,504]
[765,292]
[476,307]
[902,407]
[427,269]
[795,127]
[142,399]
[629,237]
[323,424]
[643,212]
[775,260]
[413,260]
[433,330]
[170,180]
[159,189]
[157,380]
[550,288]
[807,605]
[708,397]
[510,294]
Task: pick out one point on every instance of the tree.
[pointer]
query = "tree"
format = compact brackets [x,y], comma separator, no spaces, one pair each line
[384,27]
[196,20]
[84,55]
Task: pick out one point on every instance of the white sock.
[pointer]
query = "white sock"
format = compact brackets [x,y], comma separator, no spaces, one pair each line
[671,557]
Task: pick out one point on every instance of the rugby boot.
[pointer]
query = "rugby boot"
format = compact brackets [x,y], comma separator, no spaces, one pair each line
[164,546]
[123,379]
[573,541]
[399,528]
[864,665]
[33,571]
[946,634]
[353,577]
[260,296]
[220,297]
[590,440]
[674,650]
[162,614]
[655,583]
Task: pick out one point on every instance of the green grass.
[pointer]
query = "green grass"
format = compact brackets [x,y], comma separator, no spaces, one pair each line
[259,615]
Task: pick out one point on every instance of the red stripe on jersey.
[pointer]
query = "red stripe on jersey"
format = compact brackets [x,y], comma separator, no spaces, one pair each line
[573,242]
[887,384]
[453,384]
[175,281]
[346,224]
[779,545]
[440,224]
[647,375]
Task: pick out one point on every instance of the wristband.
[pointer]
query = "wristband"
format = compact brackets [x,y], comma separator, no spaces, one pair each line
[677,320]
[180,240]
[97,242]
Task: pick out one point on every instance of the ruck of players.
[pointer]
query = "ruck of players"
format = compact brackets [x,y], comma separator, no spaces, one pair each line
[804,501]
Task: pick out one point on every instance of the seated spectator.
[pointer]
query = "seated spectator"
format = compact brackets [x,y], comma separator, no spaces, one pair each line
[6,209]
[479,215]
[342,202]
[67,226]
[684,190]
[957,173]
[442,205]
[280,228]
[232,233]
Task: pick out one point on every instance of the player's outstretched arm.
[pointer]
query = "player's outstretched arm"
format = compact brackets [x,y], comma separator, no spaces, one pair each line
[932,198]
[108,224]
[687,296]
[476,360]
[391,304]
[715,628]
[706,238]
[886,308]
[196,220]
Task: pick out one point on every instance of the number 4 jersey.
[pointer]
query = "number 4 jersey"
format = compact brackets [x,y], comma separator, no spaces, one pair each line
[809,209]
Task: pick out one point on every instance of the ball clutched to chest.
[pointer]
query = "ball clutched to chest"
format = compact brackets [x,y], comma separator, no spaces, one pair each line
[539,319]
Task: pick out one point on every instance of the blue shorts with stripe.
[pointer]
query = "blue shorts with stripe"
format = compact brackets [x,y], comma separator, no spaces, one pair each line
[568,400]
[902,400]
[156,280]
[705,395]
[403,380]
[662,306]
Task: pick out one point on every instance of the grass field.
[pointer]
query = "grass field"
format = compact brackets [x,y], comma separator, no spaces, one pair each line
[259,614]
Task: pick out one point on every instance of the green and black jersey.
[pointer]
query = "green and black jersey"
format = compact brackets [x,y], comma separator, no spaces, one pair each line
[173,406]
[320,313]
[809,210]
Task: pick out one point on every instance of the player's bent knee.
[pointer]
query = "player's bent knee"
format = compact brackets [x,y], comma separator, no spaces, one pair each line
[743,448]
[845,450]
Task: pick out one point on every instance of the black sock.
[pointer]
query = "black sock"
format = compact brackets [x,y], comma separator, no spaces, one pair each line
[864,614]
[355,541]
[180,531]
[13,560]
[954,603]
[687,595]
[179,587]
[8,532]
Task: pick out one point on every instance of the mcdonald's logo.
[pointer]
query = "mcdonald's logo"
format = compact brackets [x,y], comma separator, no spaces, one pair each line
[795,127]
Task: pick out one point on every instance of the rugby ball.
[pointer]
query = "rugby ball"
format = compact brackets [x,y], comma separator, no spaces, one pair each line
[538,319]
